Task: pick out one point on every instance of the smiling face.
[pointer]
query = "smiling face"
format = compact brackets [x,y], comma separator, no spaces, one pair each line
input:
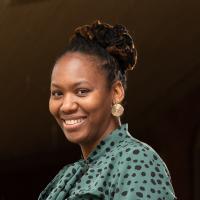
[80,99]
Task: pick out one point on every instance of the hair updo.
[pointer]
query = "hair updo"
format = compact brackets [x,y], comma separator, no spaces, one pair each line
[112,44]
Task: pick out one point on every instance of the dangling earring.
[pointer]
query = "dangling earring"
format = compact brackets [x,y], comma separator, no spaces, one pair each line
[117,110]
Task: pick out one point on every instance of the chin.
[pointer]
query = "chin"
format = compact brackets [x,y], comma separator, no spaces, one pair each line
[75,137]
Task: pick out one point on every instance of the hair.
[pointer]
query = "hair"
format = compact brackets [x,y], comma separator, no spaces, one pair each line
[113,45]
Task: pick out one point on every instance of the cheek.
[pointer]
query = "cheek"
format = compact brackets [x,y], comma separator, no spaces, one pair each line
[53,107]
[98,104]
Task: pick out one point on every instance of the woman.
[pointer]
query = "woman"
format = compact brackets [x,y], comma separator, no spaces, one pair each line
[87,88]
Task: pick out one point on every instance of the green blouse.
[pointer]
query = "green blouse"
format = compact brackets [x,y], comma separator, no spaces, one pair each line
[121,167]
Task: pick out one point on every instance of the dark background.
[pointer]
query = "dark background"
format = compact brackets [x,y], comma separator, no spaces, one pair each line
[163,97]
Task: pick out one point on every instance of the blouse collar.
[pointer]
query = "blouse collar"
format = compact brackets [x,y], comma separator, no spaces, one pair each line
[107,143]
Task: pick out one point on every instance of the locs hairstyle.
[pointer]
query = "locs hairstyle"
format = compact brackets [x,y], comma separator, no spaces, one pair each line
[113,45]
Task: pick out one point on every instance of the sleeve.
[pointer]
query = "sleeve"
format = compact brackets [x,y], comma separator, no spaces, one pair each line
[142,175]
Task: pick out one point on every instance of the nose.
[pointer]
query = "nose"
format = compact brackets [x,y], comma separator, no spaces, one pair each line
[68,105]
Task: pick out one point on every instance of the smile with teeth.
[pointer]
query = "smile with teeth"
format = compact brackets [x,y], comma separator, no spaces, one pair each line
[73,121]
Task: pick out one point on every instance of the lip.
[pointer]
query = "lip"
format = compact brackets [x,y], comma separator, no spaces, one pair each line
[76,126]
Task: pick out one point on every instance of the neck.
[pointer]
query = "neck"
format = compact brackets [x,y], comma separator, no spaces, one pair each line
[89,147]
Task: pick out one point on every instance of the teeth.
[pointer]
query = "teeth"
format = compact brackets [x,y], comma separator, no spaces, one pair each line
[73,121]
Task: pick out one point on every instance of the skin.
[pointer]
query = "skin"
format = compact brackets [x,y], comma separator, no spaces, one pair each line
[79,89]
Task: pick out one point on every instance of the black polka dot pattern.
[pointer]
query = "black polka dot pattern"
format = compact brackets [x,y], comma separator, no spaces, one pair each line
[121,167]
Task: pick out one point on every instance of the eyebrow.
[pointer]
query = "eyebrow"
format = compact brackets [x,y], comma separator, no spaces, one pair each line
[74,85]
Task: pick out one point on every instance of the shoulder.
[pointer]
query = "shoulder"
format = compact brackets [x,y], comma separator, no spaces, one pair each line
[142,172]
[140,156]
[57,179]
[134,148]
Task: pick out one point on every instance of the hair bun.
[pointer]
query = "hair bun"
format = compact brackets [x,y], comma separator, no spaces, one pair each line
[115,39]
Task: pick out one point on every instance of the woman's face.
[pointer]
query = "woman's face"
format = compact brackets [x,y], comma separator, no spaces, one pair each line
[80,100]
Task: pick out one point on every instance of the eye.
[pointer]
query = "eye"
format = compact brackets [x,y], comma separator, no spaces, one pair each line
[56,93]
[82,92]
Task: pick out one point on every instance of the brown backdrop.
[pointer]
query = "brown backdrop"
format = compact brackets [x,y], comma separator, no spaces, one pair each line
[162,104]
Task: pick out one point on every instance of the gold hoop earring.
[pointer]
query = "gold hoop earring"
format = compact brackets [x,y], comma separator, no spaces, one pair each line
[117,110]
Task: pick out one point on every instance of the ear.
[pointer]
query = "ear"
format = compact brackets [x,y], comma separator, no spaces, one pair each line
[117,92]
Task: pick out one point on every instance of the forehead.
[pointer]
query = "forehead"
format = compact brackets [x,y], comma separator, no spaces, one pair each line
[75,67]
